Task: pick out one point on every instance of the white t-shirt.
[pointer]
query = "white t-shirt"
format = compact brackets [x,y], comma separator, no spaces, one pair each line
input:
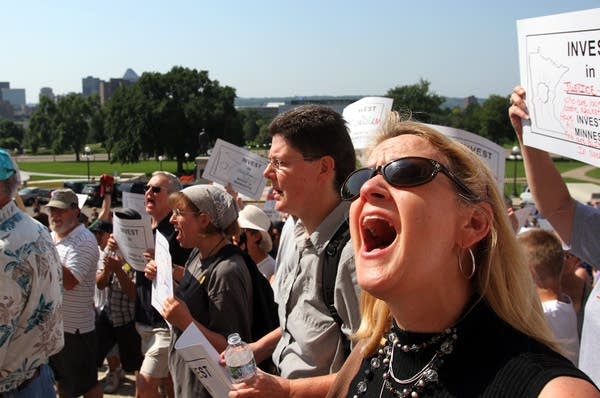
[563,321]
[78,251]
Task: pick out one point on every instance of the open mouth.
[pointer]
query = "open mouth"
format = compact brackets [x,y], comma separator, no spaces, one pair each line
[377,233]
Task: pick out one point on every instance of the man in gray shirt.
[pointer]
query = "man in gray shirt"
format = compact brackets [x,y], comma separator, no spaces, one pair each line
[310,157]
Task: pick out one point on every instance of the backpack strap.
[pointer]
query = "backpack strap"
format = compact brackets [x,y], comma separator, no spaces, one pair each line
[333,252]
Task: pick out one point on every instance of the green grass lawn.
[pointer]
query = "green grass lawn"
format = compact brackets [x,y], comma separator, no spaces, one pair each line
[148,166]
[98,167]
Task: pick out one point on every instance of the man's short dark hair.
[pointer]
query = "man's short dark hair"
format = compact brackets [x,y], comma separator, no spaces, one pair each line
[317,131]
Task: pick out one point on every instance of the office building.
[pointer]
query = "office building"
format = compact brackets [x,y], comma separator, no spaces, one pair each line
[14,96]
[47,92]
[90,85]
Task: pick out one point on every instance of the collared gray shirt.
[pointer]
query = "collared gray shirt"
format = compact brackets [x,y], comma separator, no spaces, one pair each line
[311,344]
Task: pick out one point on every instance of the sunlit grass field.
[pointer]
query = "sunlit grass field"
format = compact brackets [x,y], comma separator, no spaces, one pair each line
[99,167]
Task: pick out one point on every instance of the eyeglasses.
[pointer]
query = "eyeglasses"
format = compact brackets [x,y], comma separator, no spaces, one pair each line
[403,173]
[277,164]
[179,212]
[154,188]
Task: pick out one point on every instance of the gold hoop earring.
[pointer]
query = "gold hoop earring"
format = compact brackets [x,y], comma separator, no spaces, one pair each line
[460,266]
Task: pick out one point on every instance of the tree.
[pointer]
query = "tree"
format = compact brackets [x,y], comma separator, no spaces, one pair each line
[163,114]
[72,124]
[495,123]
[11,135]
[42,125]
[96,119]
[254,127]
[417,99]
[61,125]
[468,119]
[250,128]
[128,115]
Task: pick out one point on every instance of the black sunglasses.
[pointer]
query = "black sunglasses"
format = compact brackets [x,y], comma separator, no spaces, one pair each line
[403,173]
[154,188]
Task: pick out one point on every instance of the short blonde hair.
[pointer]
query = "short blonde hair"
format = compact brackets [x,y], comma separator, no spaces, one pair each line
[544,255]
[502,278]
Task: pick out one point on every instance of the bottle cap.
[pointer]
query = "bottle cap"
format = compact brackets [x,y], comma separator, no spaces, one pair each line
[234,338]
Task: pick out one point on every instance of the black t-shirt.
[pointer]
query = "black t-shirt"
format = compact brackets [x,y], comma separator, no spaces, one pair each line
[490,359]
[145,313]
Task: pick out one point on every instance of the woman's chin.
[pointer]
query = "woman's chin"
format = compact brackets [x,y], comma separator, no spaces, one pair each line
[182,241]
[371,279]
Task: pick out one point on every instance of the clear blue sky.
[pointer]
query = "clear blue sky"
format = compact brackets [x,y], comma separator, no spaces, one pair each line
[273,48]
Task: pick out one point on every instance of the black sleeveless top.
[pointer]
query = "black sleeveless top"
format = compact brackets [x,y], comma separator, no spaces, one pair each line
[490,359]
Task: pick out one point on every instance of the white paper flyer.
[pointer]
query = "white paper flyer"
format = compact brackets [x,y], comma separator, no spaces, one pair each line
[203,359]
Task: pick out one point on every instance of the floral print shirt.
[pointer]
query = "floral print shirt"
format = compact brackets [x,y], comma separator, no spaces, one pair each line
[31,327]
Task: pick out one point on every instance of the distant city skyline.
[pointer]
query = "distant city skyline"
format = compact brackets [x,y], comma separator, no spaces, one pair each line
[273,48]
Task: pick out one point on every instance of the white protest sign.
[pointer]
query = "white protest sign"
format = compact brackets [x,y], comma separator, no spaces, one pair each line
[134,237]
[492,154]
[559,61]
[243,169]
[364,117]
[162,285]
[203,359]
[135,201]
[81,199]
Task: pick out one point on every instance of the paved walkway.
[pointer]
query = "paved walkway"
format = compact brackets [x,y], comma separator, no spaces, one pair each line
[580,174]
[127,389]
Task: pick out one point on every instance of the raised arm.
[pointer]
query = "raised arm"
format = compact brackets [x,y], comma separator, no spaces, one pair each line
[549,190]
[105,213]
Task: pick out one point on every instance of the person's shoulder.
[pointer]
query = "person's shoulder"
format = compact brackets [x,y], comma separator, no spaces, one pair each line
[85,236]
[233,263]
[569,387]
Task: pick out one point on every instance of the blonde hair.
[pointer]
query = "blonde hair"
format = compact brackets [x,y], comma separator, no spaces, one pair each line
[544,255]
[502,278]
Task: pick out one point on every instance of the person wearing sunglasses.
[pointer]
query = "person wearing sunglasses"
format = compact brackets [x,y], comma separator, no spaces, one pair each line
[577,225]
[448,305]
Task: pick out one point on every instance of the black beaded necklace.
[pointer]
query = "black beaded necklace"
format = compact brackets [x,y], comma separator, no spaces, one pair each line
[416,385]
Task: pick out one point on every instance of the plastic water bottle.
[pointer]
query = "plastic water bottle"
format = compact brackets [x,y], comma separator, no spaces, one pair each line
[239,359]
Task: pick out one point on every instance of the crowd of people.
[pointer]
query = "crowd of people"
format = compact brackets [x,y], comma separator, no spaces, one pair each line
[403,278]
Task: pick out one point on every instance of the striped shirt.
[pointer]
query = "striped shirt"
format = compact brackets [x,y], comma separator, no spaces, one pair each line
[78,251]
[119,308]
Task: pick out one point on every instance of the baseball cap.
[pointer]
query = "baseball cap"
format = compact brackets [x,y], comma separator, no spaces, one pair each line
[7,167]
[101,226]
[63,199]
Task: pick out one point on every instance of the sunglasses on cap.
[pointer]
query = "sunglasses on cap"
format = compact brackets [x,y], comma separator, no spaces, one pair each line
[403,173]
[154,188]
